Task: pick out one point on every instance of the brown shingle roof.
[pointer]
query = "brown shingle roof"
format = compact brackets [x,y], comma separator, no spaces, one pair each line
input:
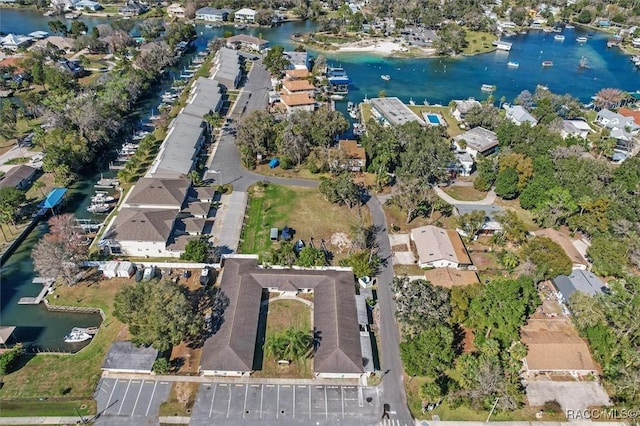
[566,244]
[297,85]
[335,318]
[143,225]
[352,149]
[297,73]
[158,192]
[433,244]
[204,193]
[296,99]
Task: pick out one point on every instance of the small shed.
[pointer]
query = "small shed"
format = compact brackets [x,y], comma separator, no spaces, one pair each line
[125,269]
[110,269]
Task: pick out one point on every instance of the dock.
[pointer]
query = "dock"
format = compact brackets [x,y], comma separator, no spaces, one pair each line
[47,283]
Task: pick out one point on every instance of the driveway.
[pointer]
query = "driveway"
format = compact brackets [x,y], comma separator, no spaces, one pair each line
[488,200]
[571,395]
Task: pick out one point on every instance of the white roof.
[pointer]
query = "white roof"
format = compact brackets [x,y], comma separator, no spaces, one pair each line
[580,125]
[246,11]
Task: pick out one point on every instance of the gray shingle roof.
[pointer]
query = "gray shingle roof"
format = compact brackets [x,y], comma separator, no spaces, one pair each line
[158,192]
[125,355]
[143,225]
[579,280]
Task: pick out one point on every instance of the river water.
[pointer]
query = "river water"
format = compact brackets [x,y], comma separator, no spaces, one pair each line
[436,80]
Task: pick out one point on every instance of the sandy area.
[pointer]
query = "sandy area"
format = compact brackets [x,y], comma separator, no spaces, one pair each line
[384,47]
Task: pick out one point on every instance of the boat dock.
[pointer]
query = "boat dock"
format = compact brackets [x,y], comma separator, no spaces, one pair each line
[47,283]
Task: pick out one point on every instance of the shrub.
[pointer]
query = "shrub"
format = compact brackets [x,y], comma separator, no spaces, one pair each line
[285,163]
[161,366]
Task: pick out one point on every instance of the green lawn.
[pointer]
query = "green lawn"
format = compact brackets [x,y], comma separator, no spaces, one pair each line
[464,193]
[478,42]
[29,408]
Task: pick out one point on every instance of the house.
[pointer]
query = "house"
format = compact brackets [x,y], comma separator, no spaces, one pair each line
[518,115]
[612,120]
[88,5]
[61,43]
[391,111]
[555,348]
[491,224]
[125,357]
[298,60]
[133,8]
[176,10]
[298,102]
[579,280]
[72,67]
[567,245]
[575,128]
[477,141]
[231,350]
[213,15]
[349,154]
[19,177]
[297,74]
[462,107]
[244,41]
[14,41]
[158,193]
[227,68]
[439,248]
[290,87]
[630,113]
[449,277]
[246,15]
[464,164]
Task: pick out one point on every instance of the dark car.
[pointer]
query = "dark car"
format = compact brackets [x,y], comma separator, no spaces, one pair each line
[287,233]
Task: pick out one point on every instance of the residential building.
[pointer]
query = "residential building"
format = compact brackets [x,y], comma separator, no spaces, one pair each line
[439,248]
[567,245]
[61,43]
[392,112]
[575,128]
[518,115]
[19,177]
[227,68]
[297,74]
[477,141]
[72,67]
[555,348]
[176,10]
[125,357]
[231,350]
[14,41]
[298,102]
[133,8]
[349,155]
[630,113]
[244,41]
[579,280]
[246,15]
[290,87]
[491,224]
[298,60]
[462,107]
[612,120]
[449,277]
[213,15]
[87,5]
[465,164]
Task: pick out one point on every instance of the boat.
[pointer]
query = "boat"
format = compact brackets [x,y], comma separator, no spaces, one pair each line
[488,88]
[106,183]
[581,39]
[77,335]
[98,208]
[352,110]
[208,26]
[569,26]
[385,77]
[547,63]
[336,97]
[358,129]
[542,87]
[338,82]
[101,198]
[513,64]
[558,37]
[584,64]
[557,29]
[411,102]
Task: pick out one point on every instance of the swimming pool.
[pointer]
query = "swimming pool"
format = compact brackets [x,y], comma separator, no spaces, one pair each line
[434,119]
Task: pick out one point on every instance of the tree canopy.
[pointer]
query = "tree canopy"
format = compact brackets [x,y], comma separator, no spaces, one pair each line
[420,304]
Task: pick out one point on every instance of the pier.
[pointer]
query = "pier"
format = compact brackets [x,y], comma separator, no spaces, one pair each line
[47,283]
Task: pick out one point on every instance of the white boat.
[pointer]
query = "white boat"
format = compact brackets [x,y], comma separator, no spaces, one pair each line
[336,97]
[411,102]
[488,88]
[98,208]
[542,87]
[77,335]
[208,26]
[385,77]
[513,64]
[102,198]
[358,129]
[569,26]
[547,63]
[581,39]
[558,37]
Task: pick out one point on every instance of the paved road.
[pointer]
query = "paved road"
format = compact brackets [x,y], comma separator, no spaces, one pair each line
[488,200]
[393,392]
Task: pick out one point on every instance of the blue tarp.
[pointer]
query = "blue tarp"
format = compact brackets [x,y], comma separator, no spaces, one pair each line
[275,162]
[54,197]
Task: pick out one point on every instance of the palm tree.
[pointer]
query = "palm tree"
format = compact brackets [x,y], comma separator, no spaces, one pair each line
[609,98]
[291,344]
[38,185]
[195,178]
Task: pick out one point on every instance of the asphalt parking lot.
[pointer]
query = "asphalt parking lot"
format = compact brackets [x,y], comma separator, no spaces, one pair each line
[131,397]
[284,404]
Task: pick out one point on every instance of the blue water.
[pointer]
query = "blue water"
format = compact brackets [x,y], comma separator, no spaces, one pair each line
[433,119]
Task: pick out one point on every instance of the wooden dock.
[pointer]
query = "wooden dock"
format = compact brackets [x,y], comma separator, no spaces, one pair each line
[47,283]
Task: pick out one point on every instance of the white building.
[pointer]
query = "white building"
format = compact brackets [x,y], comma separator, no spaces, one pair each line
[439,248]
[477,141]
[245,15]
[518,115]
[175,10]
[212,15]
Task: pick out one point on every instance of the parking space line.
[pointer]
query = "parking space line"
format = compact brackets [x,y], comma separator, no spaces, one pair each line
[261,396]
[213,398]
[111,395]
[342,399]
[137,398]
[360,397]
[229,402]
[151,399]
[124,396]
[294,402]
[244,410]
[278,402]
[326,404]
[309,401]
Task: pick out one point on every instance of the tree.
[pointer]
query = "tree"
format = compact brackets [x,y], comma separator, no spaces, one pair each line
[513,227]
[548,256]
[10,358]
[256,136]
[609,256]
[11,200]
[415,197]
[275,60]
[341,190]
[58,27]
[364,263]
[291,344]
[425,153]
[78,28]
[196,250]
[608,98]
[461,297]
[557,208]
[8,118]
[157,313]
[311,256]
[428,353]
[507,183]
[420,304]
[471,223]
[61,251]
[195,178]
[430,392]
[282,254]
[161,366]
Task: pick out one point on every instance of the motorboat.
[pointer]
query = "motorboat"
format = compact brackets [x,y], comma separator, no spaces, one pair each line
[558,37]
[542,87]
[488,88]
[358,129]
[385,77]
[569,26]
[208,26]
[513,64]
[581,39]
[77,335]
[98,208]
[102,198]
[411,102]
[547,63]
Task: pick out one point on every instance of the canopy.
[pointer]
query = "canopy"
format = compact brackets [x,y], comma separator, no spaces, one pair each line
[54,198]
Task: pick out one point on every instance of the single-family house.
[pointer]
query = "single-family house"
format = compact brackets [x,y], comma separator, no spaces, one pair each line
[579,280]
[14,41]
[491,224]
[518,115]
[19,177]
[133,8]
[567,245]
[212,14]
[245,15]
[462,107]
[298,60]
[391,111]
[290,87]
[450,277]
[125,357]
[176,10]
[439,248]
[575,128]
[630,113]
[245,41]
[88,5]
[612,120]
[72,67]
[464,165]
[231,350]
[477,141]
[297,74]
[554,347]
[61,43]
[297,102]
[349,155]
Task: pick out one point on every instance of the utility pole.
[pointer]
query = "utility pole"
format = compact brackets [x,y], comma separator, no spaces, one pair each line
[493,408]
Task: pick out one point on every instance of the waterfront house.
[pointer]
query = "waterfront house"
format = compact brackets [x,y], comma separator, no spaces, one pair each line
[612,120]
[491,224]
[231,350]
[176,10]
[630,113]
[125,357]
[64,44]
[579,280]
[349,155]
[575,128]
[19,177]
[297,102]
[290,87]
[477,141]
[391,111]
[298,60]
[211,14]
[87,5]
[462,107]
[14,41]
[465,164]
[244,41]
[297,74]
[439,248]
[133,8]
[227,68]
[518,115]
[246,15]
[567,245]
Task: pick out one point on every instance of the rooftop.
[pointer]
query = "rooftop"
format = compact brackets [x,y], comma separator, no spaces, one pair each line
[297,85]
[449,277]
[579,280]
[142,225]
[158,192]
[297,99]
[478,139]
[125,355]
[434,244]
[394,111]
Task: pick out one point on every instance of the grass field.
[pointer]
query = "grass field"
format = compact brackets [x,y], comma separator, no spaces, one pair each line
[452,124]
[68,380]
[181,399]
[464,193]
[478,42]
